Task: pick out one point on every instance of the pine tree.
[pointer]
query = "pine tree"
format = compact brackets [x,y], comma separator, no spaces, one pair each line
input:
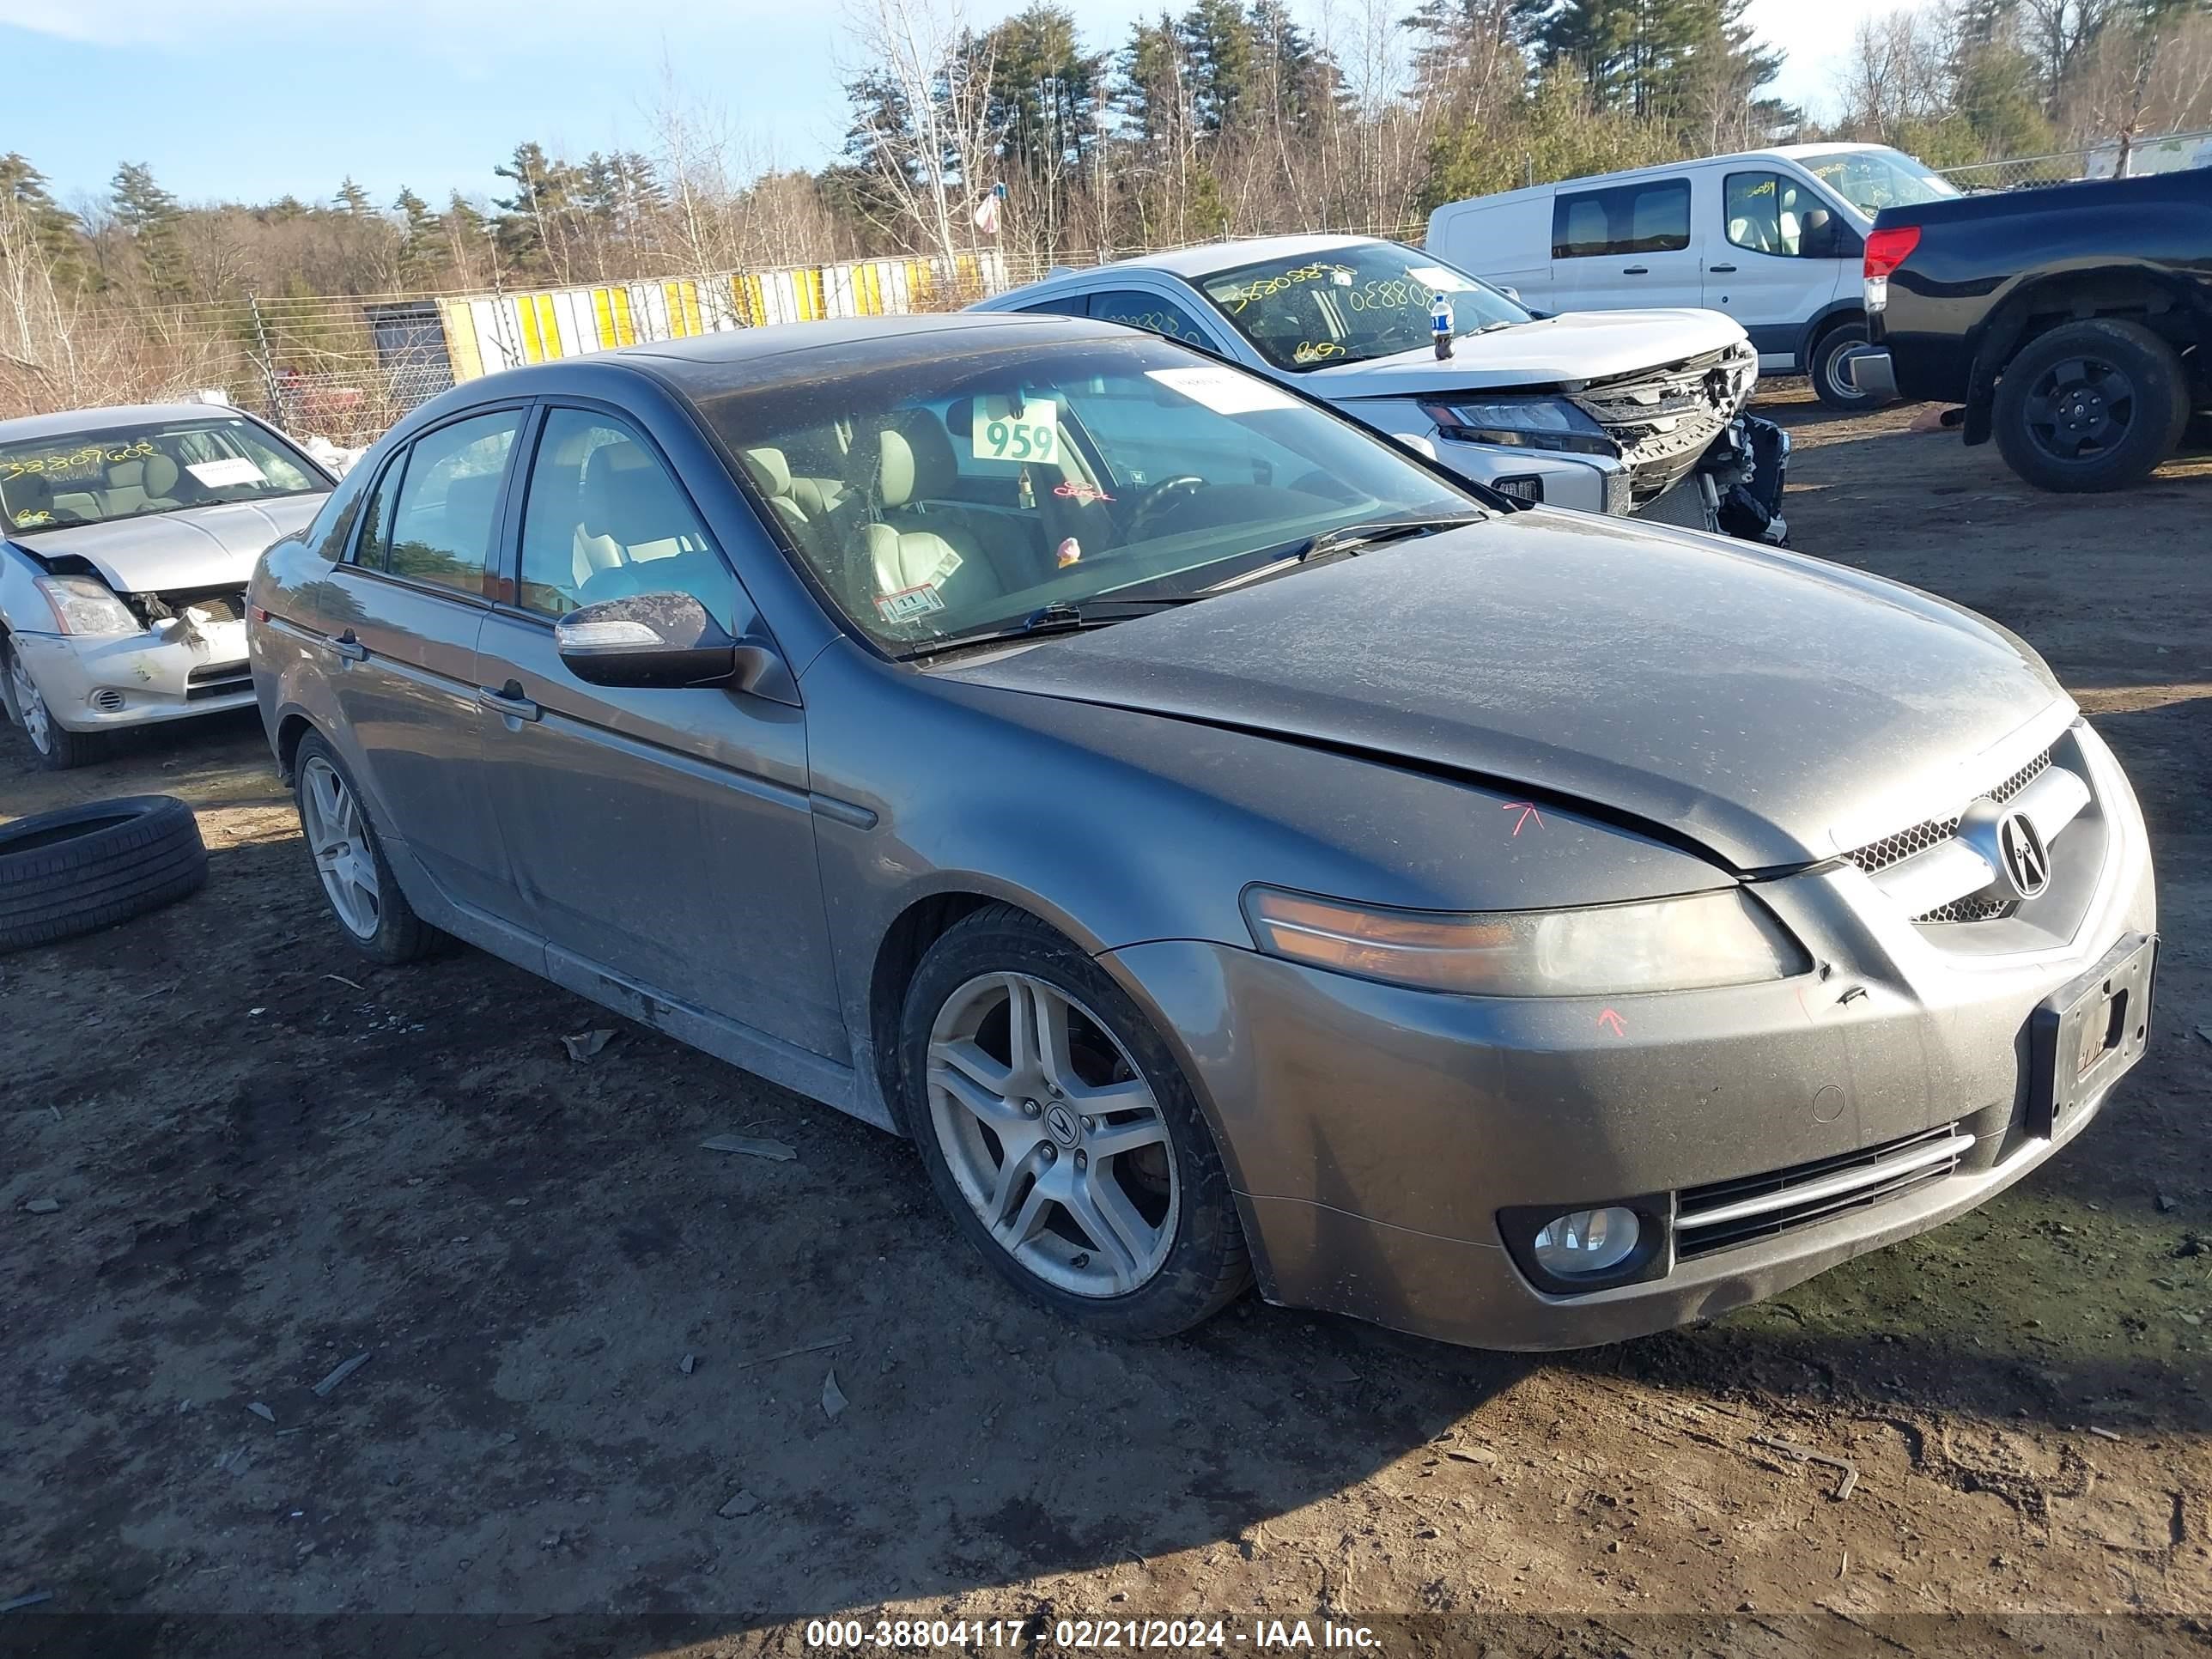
[350,198]
[420,234]
[1217,43]
[60,239]
[534,224]
[147,215]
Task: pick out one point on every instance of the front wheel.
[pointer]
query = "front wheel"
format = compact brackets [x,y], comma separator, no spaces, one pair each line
[1060,1134]
[1831,354]
[2091,406]
[58,749]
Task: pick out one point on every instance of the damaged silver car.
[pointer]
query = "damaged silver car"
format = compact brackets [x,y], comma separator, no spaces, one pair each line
[130,534]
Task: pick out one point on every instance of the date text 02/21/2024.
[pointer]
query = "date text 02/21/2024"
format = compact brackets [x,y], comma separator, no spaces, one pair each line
[1092,1635]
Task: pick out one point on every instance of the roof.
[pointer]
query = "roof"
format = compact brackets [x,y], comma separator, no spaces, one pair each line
[1222,256]
[70,421]
[893,336]
[1599,180]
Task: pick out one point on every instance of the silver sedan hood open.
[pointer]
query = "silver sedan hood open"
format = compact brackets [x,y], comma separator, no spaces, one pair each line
[1775,709]
[193,547]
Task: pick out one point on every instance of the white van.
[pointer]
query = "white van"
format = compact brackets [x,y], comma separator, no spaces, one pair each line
[1772,237]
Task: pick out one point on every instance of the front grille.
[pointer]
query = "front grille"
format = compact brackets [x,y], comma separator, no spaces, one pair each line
[1664,419]
[1725,1213]
[1879,855]
[218,680]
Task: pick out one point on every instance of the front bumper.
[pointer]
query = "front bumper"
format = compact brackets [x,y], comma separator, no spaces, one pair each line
[137,679]
[1374,1135]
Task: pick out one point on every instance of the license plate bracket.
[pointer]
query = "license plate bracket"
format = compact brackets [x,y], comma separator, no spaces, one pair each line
[2085,1035]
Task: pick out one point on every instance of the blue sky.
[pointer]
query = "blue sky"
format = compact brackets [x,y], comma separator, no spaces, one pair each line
[253,99]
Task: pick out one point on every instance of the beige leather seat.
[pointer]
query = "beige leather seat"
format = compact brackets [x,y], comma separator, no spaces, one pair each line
[133,485]
[899,552]
[770,473]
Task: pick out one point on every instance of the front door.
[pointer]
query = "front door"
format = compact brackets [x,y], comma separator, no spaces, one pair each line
[1769,262]
[664,835]
[402,616]
[1625,246]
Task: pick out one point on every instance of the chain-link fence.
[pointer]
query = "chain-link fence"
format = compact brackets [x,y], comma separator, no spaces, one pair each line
[2119,159]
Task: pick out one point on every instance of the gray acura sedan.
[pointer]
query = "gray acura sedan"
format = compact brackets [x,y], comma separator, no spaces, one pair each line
[1229,846]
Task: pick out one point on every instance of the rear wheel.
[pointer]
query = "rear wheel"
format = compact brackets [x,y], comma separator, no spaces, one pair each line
[58,748]
[1830,353]
[1062,1134]
[2091,406]
[358,883]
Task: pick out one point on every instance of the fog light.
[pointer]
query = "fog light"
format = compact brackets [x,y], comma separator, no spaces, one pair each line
[1588,1242]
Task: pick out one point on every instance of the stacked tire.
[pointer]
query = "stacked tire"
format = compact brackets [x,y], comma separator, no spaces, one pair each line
[87,867]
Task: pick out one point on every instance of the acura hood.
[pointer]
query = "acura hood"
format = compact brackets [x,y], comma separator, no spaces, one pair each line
[194,547]
[1773,708]
[1579,345]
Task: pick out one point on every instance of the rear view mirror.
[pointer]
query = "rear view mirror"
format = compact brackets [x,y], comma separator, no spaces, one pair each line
[647,640]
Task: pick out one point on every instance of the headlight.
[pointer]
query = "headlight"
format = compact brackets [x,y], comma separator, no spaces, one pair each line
[1524,422]
[1667,944]
[82,605]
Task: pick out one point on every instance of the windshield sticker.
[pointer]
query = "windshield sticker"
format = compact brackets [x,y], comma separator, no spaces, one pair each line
[1436,276]
[999,435]
[909,602]
[1224,391]
[223,474]
[1068,490]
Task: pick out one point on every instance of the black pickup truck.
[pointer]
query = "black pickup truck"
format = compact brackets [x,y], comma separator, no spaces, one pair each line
[2073,321]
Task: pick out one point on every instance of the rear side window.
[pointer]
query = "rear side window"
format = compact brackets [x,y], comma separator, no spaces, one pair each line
[1149,311]
[445,515]
[327,538]
[1650,216]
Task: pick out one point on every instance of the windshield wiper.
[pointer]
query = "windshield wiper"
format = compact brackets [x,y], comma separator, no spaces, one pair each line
[1060,617]
[1351,538]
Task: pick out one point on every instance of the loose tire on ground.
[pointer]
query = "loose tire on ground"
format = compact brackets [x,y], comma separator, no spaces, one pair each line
[1825,371]
[1147,1136]
[2111,387]
[86,867]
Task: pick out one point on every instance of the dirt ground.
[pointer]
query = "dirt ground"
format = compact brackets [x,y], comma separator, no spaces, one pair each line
[585,1336]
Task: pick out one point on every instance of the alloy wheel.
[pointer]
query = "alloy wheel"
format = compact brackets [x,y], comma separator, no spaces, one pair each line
[2080,408]
[338,836]
[31,706]
[1052,1134]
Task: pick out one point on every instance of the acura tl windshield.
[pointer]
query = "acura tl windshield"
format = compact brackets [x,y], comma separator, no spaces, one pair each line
[933,502]
[1872,180]
[1350,304]
[130,471]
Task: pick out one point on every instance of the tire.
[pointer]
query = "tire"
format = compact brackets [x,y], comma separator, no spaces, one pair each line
[2091,406]
[333,817]
[1171,1252]
[57,748]
[87,867]
[1825,369]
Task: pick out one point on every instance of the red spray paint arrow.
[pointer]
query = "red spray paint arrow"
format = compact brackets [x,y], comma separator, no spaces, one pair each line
[1611,1022]
[1527,809]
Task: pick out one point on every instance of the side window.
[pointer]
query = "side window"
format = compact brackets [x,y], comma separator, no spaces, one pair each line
[444,518]
[1761,211]
[1149,311]
[603,520]
[327,536]
[1650,216]
[375,548]
[1065,305]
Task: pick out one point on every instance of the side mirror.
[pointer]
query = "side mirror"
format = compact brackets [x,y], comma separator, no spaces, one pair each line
[1510,292]
[658,640]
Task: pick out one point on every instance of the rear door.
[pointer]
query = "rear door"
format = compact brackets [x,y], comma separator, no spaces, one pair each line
[1618,246]
[402,612]
[1769,260]
[663,835]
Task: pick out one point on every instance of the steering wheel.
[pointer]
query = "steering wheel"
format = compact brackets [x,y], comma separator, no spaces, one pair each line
[1158,498]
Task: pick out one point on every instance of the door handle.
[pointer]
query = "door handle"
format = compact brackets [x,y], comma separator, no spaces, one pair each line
[1720,267]
[508,700]
[1636,271]
[349,648]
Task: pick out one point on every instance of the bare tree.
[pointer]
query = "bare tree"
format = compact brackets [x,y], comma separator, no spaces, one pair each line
[930,142]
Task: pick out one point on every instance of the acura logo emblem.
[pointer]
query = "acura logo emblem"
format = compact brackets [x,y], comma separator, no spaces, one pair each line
[2021,856]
